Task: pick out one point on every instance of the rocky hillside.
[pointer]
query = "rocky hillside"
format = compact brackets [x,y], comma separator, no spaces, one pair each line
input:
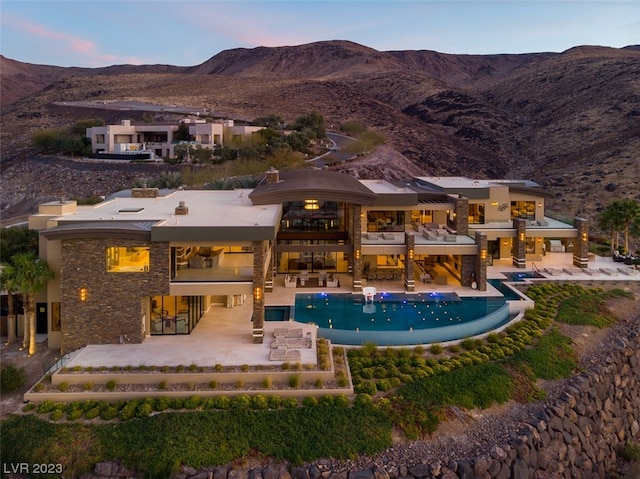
[570,121]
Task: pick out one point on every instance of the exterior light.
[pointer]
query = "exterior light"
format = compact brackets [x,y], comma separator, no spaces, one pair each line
[311,205]
[539,204]
[257,294]
[483,254]
[83,294]
[495,203]
[522,237]
[357,254]
[584,237]
[410,253]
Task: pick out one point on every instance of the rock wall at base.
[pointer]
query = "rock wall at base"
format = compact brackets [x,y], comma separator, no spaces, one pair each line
[577,436]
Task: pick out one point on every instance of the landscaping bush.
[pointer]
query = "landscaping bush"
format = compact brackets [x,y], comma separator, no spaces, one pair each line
[309,401]
[193,402]
[259,401]
[366,387]
[363,400]
[11,378]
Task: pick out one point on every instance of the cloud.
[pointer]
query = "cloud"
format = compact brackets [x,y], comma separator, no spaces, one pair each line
[85,51]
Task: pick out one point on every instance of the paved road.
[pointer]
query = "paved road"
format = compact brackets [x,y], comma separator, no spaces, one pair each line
[335,155]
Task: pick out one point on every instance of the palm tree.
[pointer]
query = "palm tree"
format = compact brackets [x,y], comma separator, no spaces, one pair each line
[32,274]
[10,285]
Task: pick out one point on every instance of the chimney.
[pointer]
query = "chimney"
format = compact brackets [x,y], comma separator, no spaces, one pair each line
[273,176]
[181,209]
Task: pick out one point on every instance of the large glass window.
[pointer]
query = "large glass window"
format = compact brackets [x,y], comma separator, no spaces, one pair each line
[385,221]
[175,314]
[312,215]
[523,209]
[476,213]
[127,259]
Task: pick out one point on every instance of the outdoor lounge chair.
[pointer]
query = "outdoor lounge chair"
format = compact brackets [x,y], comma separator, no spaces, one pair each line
[284,354]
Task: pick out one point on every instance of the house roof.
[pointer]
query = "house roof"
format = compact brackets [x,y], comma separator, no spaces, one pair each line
[100,229]
[296,185]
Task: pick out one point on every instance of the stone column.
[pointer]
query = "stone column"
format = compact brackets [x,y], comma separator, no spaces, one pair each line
[259,252]
[461,222]
[481,261]
[467,269]
[581,245]
[409,274]
[270,273]
[520,243]
[356,239]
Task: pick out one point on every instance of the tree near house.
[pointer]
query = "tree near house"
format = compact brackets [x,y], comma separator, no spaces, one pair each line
[32,275]
[620,215]
[8,283]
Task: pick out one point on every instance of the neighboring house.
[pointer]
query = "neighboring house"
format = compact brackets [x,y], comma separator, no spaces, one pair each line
[151,261]
[159,139]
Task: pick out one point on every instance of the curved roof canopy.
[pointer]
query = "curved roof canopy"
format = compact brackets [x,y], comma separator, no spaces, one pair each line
[322,185]
[100,229]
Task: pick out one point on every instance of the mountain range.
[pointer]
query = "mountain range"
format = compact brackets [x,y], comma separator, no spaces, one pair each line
[570,120]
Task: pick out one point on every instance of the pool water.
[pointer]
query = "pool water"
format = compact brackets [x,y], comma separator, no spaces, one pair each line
[395,319]
[389,311]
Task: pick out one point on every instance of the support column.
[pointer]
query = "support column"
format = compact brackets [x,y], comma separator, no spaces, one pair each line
[409,274]
[481,261]
[461,221]
[259,252]
[520,243]
[270,273]
[356,239]
[468,270]
[581,245]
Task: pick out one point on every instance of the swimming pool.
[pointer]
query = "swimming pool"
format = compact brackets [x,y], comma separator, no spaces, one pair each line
[394,319]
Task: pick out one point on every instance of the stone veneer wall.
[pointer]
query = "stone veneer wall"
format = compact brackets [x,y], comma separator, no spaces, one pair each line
[114,300]
[578,435]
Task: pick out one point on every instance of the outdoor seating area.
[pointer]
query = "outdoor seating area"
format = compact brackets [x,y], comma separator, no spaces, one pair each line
[287,342]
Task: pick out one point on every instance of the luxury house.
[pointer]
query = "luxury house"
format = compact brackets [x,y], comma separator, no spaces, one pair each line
[159,140]
[150,262]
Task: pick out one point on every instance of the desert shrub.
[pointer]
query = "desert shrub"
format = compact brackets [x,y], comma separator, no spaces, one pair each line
[213,384]
[454,348]
[436,348]
[243,401]
[75,414]
[309,401]
[289,403]
[342,379]
[161,403]
[46,406]
[267,383]
[92,413]
[110,413]
[144,410]
[259,402]
[56,414]
[275,402]
[341,401]
[363,400]
[318,383]
[128,411]
[294,381]
[11,378]
[38,388]
[631,451]
[222,402]
[88,386]
[193,402]
[366,387]
[111,385]
[62,387]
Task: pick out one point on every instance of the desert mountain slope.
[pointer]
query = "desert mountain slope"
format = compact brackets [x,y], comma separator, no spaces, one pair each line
[569,120]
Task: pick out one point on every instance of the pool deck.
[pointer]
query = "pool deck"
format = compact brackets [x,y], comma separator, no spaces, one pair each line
[223,335]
